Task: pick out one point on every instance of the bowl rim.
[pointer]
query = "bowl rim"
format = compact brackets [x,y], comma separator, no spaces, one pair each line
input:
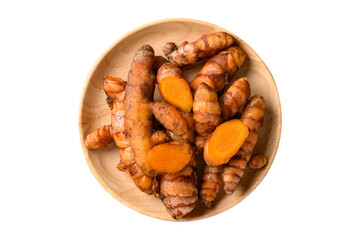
[80,115]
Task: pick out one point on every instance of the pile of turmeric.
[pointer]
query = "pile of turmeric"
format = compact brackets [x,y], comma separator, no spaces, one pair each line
[158,141]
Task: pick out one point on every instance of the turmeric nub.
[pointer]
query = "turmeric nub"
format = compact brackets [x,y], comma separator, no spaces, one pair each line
[170,157]
[225,142]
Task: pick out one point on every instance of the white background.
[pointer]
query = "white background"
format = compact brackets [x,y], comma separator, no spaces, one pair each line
[47,49]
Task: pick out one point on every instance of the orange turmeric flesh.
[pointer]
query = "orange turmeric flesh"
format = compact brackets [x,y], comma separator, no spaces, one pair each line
[173,87]
[170,157]
[225,142]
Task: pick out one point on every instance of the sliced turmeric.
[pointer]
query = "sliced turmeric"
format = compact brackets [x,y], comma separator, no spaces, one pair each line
[234,98]
[170,157]
[224,142]
[218,69]
[173,87]
[257,161]
[138,96]
[206,108]
[252,117]
[178,191]
[190,53]
[127,159]
[211,184]
[99,138]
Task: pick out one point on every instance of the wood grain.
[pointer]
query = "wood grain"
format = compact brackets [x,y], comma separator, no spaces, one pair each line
[116,61]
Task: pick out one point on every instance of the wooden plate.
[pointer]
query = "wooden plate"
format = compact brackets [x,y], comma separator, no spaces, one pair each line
[94,112]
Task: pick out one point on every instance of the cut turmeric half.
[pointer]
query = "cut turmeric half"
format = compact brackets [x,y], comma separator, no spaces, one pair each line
[225,142]
[170,157]
[173,87]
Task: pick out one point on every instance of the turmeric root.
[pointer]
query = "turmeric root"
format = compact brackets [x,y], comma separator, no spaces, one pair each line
[170,157]
[257,162]
[190,53]
[207,112]
[127,161]
[159,137]
[156,186]
[200,142]
[138,96]
[234,98]
[190,134]
[158,62]
[169,117]
[211,184]
[173,87]
[252,117]
[217,70]
[224,142]
[207,116]
[99,138]
[113,87]
[178,191]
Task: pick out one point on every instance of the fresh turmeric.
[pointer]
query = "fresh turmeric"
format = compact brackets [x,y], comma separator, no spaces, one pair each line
[138,96]
[177,123]
[169,117]
[158,62]
[159,137]
[190,134]
[173,87]
[206,108]
[170,157]
[190,53]
[178,191]
[207,116]
[99,138]
[257,161]
[113,89]
[200,142]
[211,184]
[234,98]
[252,117]
[224,142]
[219,69]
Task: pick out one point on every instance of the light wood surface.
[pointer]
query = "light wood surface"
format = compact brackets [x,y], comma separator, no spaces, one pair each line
[94,112]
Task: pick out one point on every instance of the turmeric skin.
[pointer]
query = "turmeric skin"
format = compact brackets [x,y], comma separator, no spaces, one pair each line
[159,137]
[190,53]
[178,191]
[207,116]
[169,117]
[178,124]
[99,138]
[219,69]
[234,98]
[257,161]
[207,112]
[211,184]
[158,62]
[138,96]
[190,134]
[252,117]
[127,161]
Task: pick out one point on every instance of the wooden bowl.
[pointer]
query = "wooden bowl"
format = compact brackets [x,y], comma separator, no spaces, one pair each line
[94,112]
